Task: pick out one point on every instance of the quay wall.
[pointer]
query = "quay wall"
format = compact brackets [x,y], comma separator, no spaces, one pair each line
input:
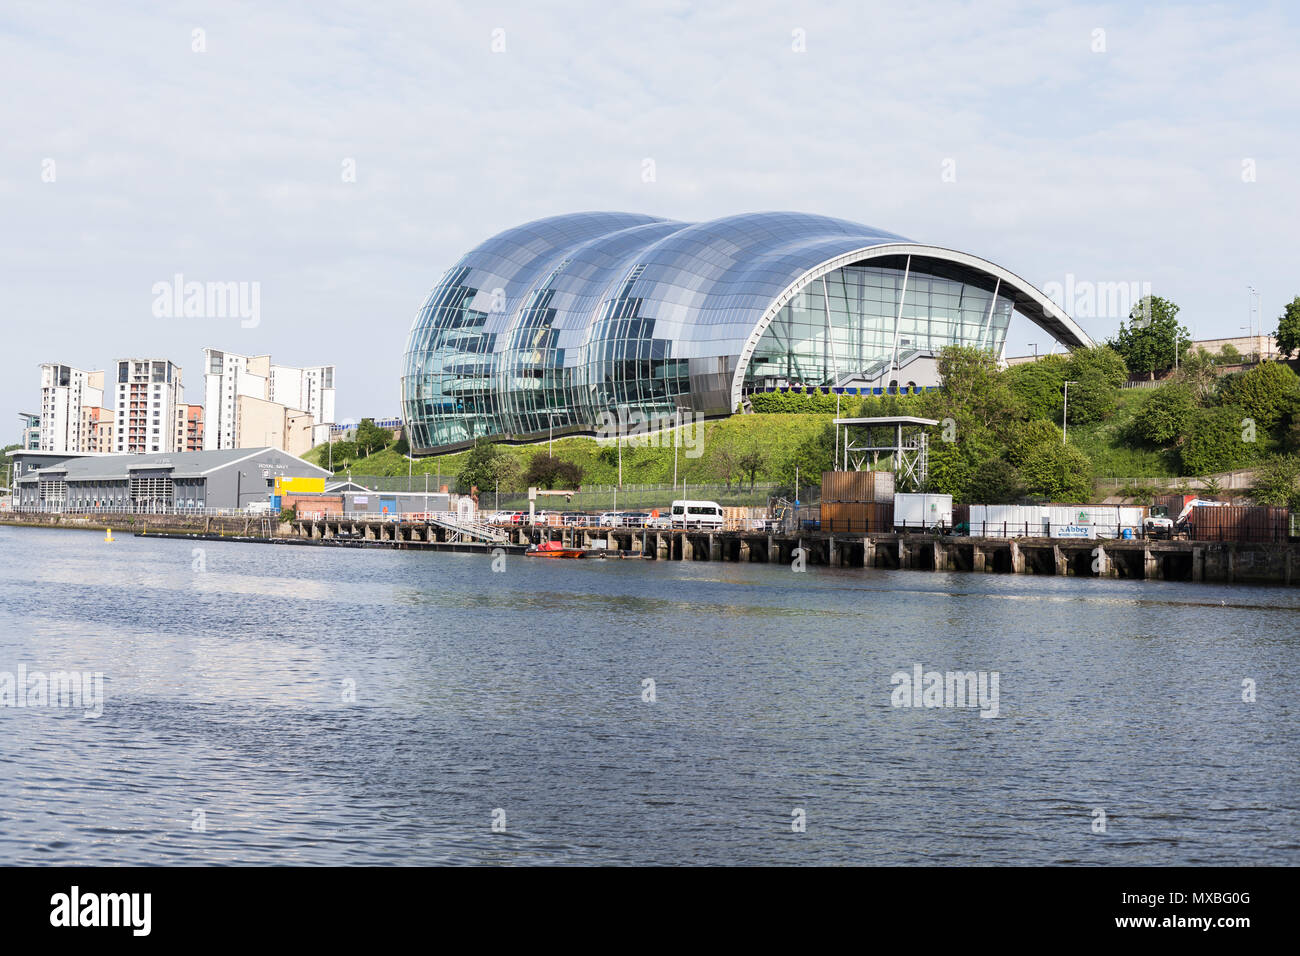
[1136,559]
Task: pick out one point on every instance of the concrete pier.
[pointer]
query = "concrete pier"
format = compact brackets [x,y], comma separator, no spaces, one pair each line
[1135,559]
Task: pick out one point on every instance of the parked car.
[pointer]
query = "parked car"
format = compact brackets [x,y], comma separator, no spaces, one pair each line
[635,519]
[661,521]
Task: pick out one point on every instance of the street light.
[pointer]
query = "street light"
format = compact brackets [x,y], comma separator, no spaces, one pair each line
[677,440]
[1251,294]
[1064,409]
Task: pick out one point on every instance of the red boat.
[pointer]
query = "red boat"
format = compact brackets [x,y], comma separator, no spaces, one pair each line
[554,549]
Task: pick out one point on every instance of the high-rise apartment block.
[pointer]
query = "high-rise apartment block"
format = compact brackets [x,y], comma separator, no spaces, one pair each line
[65,392]
[149,403]
[251,403]
[193,428]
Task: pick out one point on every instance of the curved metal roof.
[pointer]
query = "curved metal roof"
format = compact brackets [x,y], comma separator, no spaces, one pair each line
[570,292]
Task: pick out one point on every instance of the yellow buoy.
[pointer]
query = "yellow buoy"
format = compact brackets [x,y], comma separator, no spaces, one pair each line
[108,535]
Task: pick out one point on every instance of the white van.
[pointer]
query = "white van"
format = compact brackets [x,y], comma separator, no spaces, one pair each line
[697,514]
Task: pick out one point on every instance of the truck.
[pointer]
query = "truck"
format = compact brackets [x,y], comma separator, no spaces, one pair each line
[1159,523]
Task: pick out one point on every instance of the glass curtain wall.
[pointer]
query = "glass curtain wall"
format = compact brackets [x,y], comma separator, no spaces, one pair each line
[847,327]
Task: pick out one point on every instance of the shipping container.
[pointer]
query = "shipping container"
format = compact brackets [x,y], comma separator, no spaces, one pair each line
[1008,521]
[858,486]
[857,516]
[1245,523]
[922,511]
[1055,521]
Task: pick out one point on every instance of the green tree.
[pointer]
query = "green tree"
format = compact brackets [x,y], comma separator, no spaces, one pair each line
[975,395]
[724,462]
[1216,440]
[1165,414]
[1199,372]
[995,482]
[750,462]
[1097,374]
[812,456]
[547,472]
[1057,471]
[951,470]
[1276,481]
[1030,435]
[486,466]
[371,438]
[1039,386]
[342,453]
[1288,328]
[1265,392]
[1228,355]
[953,464]
[1101,361]
[1146,342]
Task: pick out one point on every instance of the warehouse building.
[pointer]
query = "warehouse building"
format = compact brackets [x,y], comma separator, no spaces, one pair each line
[224,479]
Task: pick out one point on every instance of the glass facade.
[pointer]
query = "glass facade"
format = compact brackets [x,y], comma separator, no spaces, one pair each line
[546,326]
[846,328]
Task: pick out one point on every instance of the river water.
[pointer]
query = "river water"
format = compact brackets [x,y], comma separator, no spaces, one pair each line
[299,705]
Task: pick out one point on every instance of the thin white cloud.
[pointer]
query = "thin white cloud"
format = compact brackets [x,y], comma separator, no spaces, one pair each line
[226,164]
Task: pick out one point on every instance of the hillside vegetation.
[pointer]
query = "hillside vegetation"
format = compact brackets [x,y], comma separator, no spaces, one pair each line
[1000,435]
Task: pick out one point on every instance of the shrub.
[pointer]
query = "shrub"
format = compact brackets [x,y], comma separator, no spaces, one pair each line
[770,402]
[995,482]
[1275,481]
[1165,415]
[1057,471]
[1028,435]
[1215,441]
[1039,386]
[1264,391]
[547,472]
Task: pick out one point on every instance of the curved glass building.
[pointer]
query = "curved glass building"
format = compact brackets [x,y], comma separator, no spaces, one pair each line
[545,327]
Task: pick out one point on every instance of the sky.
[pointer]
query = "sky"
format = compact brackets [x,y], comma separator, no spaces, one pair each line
[338,158]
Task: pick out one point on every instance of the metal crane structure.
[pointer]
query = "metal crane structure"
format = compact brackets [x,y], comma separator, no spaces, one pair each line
[532,500]
[903,438]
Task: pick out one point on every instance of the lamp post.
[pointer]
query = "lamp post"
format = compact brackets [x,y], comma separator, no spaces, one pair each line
[1250,310]
[677,440]
[1065,410]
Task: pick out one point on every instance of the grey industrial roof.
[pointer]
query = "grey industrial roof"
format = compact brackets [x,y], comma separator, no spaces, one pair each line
[189,464]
